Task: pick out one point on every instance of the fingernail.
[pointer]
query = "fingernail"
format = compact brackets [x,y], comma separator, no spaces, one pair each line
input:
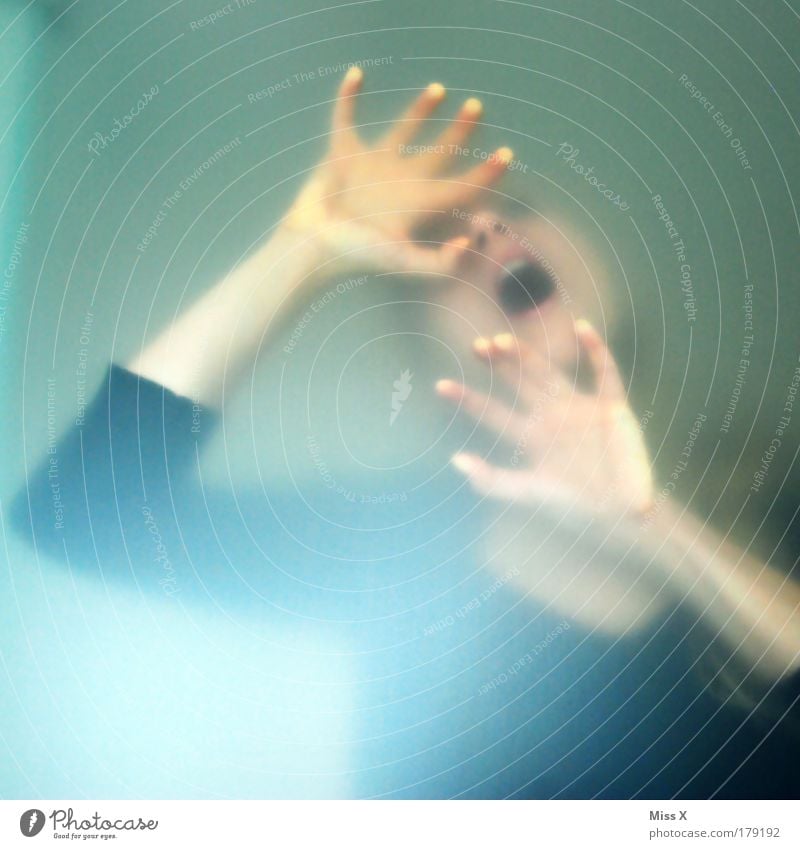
[473,106]
[481,344]
[463,462]
[504,341]
[436,90]
[583,326]
[354,74]
[505,155]
[448,388]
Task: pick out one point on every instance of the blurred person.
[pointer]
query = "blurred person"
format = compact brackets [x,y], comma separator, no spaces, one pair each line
[527,624]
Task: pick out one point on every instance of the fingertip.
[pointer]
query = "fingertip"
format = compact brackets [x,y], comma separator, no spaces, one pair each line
[465,463]
[482,346]
[472,107]
[505,341]
[436,91]
[354,77]
[587,333]
[448,388]
[505,156]
[453,251]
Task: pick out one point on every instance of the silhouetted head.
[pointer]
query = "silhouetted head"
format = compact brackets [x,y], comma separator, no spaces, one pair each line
[529,276]
[526,286]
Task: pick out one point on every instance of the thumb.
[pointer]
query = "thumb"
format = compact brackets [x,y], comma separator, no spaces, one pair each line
[442,259]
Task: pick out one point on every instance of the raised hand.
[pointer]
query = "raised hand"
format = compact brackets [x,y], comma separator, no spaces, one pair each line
[574,449]
[363,202]
[577,469]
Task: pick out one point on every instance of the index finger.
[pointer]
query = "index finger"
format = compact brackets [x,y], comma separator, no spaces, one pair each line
[408,126]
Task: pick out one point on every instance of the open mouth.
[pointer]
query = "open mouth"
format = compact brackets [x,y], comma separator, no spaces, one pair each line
[527,285]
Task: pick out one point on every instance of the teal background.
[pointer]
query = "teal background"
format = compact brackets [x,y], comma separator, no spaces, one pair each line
[602,76]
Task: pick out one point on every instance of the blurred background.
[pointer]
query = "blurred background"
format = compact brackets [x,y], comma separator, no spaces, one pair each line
[695,103]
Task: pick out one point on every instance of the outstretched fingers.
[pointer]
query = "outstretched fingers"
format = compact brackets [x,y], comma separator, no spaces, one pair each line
[458,131]
[515,360]
[494,481]
[463,187]
[487,411]
[515,486]
[409,125]
[608,380]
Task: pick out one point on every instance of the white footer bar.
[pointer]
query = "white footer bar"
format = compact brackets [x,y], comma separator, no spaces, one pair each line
[402,825]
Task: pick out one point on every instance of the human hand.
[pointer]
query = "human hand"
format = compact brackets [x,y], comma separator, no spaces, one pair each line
[363,202]
[573,449]
[578,456]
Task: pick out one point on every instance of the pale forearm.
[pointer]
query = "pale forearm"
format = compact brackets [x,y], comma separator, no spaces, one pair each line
[215,339]
[361,204]
[754,606]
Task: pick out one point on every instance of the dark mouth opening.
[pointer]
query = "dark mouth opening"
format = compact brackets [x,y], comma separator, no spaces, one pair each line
[526,286]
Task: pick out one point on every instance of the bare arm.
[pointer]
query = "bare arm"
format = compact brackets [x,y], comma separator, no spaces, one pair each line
[357,210]
[586,458]
[754,605]
[218,336]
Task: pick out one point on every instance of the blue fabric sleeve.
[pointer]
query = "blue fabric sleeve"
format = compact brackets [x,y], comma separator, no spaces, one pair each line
[133,455]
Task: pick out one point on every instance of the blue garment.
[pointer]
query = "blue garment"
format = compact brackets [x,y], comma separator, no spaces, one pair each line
[403,667]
